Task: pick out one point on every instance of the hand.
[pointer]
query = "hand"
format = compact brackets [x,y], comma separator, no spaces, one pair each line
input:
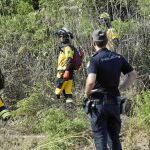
[66,75]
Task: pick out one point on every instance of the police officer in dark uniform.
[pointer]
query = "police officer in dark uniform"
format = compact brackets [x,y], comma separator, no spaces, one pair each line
[103,89]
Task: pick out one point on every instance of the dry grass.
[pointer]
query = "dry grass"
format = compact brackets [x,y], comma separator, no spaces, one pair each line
[13,137]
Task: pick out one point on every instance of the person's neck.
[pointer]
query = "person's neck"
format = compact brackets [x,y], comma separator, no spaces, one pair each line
[65,43]
[99,48]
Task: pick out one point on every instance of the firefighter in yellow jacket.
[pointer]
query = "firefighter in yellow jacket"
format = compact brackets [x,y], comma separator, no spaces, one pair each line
[112,35]
[64,70]
[4,112]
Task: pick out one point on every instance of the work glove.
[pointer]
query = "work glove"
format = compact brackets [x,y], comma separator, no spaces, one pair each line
[66,75]
[5,115]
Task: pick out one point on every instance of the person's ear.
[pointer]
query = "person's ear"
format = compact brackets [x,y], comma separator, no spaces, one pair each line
[94,44]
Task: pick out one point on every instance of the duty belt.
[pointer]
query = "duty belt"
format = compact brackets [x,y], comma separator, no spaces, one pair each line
[105,100]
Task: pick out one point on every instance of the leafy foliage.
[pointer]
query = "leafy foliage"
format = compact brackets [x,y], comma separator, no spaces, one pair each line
[143,109]
[56,122]
[124,28]
[29,106]
[63,132]
[28,57]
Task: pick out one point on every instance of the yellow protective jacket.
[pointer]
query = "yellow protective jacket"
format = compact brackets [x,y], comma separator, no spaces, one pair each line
[111,35]
[65,54]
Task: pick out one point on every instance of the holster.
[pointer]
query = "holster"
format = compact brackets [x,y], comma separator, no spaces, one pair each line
[120,101]
[87,105]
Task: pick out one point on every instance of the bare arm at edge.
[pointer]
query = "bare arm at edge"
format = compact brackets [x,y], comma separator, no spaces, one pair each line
[90,83]
[131,76]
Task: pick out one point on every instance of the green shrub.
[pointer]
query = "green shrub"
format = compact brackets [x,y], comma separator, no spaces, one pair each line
[30,106]
[56,122]
[63,132]
[23,7]
[85,26]
[144,6]
[124,28]
[143,110]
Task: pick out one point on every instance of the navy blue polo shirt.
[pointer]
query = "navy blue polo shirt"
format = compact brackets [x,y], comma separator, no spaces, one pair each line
[107,66]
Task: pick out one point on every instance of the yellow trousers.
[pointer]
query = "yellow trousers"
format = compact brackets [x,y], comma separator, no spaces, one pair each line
[66,86]
[1,103]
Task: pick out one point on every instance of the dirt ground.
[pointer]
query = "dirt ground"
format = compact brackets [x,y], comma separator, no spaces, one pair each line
[13,138]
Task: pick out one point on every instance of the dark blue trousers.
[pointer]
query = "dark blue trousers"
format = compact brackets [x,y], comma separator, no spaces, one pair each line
[106,119]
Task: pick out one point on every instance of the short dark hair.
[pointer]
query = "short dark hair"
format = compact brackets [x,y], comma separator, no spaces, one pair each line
[100,37]
[101,43]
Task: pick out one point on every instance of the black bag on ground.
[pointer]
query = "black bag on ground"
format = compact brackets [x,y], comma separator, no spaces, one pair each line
[2,81]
